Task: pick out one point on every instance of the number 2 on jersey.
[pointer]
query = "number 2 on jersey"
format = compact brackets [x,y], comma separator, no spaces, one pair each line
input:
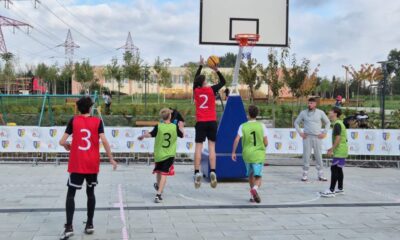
[204,104]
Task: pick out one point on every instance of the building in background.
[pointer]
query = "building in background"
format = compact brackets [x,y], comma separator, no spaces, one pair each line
[179,83]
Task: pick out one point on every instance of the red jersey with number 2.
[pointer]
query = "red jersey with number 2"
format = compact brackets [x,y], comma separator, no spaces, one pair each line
[205,104]
[84,155]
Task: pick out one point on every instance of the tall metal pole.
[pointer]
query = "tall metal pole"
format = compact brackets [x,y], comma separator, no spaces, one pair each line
[383,93]
[145,87]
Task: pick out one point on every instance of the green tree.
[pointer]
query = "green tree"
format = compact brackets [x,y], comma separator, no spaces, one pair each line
[190,73]
[8,73]
[66,77]
[367,72]
[52,77]
[41,70]
[394,55]
[228,60]
[132,65]
[84,74]
[114,72]
[271,75]
[163,73]
[295,75]
[324,87]
[248,75]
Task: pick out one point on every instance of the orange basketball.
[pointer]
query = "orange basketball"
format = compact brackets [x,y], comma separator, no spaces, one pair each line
[213,61]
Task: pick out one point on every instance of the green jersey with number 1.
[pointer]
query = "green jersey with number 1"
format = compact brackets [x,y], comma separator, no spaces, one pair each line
[166,142]
[253,142]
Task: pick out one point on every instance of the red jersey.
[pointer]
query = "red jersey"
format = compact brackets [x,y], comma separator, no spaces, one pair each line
[84,155]
[205,104]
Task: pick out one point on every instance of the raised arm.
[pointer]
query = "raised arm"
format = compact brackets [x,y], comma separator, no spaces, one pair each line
[221,82]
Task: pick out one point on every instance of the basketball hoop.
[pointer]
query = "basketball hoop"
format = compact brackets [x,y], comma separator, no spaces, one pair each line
[247,42]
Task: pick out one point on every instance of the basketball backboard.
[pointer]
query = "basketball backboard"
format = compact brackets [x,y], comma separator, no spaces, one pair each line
[221,20]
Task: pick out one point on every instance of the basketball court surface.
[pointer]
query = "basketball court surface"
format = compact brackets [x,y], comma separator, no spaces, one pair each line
[33,200]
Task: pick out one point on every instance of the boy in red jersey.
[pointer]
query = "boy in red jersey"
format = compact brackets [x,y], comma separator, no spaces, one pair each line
[206,121]
[84,160]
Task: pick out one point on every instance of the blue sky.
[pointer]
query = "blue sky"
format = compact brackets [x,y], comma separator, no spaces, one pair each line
[328,32]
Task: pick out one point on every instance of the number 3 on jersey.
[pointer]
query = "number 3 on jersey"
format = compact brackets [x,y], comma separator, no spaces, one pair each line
[86,139]
[204,105]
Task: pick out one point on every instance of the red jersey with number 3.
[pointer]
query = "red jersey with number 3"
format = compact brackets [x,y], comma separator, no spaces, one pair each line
[84,155]
[205,104]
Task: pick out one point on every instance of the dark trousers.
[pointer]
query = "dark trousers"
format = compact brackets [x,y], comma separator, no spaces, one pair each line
[336,177]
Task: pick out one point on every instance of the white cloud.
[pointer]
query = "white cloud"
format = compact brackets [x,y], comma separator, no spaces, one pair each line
[330,33]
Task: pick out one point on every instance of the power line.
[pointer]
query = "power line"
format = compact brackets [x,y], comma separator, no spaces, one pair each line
[80,20]
[83,35]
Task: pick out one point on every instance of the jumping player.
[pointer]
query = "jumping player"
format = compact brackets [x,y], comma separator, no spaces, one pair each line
[166,134]
[254,143]
[339,151]
[84,161]
[206,121]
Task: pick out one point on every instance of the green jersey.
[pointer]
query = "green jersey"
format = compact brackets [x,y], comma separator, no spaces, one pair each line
[165,142]
[342,150]
[253,148]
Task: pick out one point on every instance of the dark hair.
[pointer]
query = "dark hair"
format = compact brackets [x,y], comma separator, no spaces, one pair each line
[84,104]
[198,81]
[253,111]
[312,99]
[337,110]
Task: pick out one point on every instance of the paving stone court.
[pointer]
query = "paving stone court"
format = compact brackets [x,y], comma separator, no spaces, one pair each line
[33,198]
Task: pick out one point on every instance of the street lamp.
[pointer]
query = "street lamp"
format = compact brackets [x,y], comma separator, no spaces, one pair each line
[383,85]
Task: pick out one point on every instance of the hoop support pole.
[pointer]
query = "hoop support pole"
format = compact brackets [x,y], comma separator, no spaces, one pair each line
[235,81]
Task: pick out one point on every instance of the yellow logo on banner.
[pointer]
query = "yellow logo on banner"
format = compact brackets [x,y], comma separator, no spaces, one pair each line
[53,132]
[21,132]
[189,145]
[130,145]
[36,144]
[5,144]
[354,135]
[370,147]
[386,136]
[278,146]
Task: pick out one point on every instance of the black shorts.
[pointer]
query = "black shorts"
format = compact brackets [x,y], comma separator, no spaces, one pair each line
[206,130]
[165,167]
[75,180]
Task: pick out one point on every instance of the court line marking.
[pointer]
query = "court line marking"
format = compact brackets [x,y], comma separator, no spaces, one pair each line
[229,206]
[120,206]
[199,200]
[317,197]
[388,196]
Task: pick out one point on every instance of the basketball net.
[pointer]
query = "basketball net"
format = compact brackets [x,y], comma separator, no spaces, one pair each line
[246,44]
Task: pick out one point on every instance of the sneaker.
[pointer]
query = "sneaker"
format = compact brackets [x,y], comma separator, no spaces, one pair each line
[158,199]
[339,191]
[155,186]
[305,177]
[197,180]
[252,200]
[213,180]
[327,194]
[89,229]
[68,232]
[321,177]
[255,195]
